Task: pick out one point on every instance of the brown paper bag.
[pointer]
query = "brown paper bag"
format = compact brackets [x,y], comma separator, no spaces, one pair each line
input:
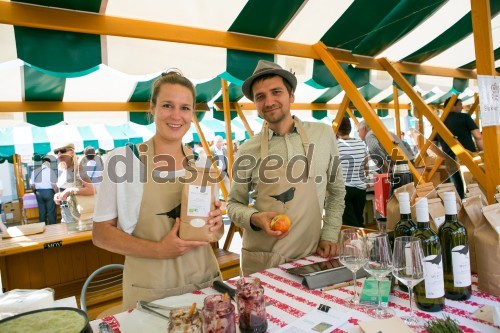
[470,216]
[436,213]
[475,189]
[449,187]
[497,197]
[393,205]
[426,190]
[487,239]
[198,197]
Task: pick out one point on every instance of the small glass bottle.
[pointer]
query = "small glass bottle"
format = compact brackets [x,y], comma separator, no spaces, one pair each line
[251,305]
[218,314]
[182,321]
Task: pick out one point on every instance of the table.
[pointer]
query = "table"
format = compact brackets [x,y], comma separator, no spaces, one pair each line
[289,301]
[54,258]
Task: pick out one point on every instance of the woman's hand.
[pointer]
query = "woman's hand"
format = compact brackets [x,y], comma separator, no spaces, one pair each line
[171,246]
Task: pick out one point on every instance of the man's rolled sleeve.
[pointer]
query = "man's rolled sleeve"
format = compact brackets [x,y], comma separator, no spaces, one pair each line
[237,206]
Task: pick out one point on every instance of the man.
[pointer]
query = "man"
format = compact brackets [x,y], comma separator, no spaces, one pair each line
[292,167]
[463,128]
[219,152]
[43,183]
[377,152]
[93,165]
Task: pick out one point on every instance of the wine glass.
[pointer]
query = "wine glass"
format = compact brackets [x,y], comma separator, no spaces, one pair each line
[409,269]
[353,256]
[379,265]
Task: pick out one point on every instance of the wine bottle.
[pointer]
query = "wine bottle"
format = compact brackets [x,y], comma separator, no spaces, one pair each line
[429,294]
[455,247]
[405,225]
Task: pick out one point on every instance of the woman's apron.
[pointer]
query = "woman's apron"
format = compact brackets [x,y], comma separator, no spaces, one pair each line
[150,279]
[260,251]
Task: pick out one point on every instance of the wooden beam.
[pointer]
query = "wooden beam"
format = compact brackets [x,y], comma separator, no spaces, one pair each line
[431,138]
[340,114]
[227,123]
[396,111]
[312,106]
[33,16]
[204,143]
[443,131]
[243,119]
[483,45]
[54,106]
[362,105]
[353,117]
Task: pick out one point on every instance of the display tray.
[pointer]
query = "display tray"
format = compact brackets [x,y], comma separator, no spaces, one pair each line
[23,230]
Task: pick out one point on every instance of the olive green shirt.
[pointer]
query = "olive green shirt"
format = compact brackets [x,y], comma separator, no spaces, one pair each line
[326,163]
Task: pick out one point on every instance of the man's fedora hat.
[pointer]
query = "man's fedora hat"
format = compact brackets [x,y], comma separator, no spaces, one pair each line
[265,67]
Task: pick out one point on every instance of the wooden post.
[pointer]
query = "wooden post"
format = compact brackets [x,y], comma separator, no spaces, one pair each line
[353,117]
[396,111]
[340,114]
[229,136]
[483,44]
[18,174]
[243,119]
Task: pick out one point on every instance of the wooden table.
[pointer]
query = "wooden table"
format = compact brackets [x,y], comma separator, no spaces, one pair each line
[54,258]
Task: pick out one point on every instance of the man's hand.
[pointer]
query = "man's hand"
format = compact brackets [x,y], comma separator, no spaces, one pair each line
[215,217]
[171,246]
[327,249]
[263,220]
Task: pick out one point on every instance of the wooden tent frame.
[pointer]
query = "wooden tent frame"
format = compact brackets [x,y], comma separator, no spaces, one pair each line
[27,15]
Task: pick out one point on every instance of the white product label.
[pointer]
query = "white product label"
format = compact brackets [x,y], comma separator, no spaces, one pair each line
[197,223]
[434,280]
[409,260]
[438,221]
[461,266]
[9,216]
[199,199]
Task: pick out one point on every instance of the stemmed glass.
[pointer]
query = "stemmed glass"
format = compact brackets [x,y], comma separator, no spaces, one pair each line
[353,255]
[409,269]
[379,265]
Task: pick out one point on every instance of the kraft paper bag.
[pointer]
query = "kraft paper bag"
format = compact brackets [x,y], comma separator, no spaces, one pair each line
[426,190]
[436,213]
[198,199]
[448,187]
[475,189]
[487,239]
[497,197]
[470,216]
[393,214]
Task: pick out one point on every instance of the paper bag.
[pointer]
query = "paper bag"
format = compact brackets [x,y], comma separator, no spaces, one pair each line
[497,197]
[198,197]
[470,216]
[426,190]
[487,239]
[449,187]
[436,213]
[475,189]
[393,214]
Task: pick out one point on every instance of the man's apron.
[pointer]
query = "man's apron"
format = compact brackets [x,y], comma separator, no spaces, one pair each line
[150,279]
[297,200]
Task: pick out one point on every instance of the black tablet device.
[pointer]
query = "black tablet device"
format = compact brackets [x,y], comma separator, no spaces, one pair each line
[316,268]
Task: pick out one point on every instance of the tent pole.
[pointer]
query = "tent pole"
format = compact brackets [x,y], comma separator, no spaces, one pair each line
[227,121]
[243,119]
[340,114]
[396,111]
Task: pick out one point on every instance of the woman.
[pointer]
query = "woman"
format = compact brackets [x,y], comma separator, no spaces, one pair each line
[136,199]
[69,184]
[353,157]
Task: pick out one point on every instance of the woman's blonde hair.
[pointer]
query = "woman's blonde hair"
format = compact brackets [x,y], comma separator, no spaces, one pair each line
[171,76]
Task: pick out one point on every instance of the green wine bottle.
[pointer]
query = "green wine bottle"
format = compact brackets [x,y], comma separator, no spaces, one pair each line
[455,246]
[429,294]
[405,225]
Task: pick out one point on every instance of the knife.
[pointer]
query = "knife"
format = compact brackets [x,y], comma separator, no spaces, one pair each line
[224,288]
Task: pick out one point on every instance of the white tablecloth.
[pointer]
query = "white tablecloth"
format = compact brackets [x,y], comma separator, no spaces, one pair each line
[289,300]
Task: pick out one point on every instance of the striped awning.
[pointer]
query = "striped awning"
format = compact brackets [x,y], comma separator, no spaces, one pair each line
[56,64]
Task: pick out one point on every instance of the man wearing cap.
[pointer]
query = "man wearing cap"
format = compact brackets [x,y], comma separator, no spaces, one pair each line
[93,166]
[69,183]
[43,184]
[292,167]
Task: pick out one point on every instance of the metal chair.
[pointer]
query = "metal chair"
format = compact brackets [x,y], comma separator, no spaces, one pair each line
[104,284]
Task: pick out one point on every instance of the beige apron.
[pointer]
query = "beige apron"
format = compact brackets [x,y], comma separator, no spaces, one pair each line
[259,251]
[150,279]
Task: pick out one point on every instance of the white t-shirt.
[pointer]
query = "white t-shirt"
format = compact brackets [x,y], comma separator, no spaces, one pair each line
[121,199]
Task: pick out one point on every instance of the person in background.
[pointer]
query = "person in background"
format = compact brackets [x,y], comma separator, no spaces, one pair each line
[377,151]
[138,215]
[306,179]
[69,180]
[93,166]
[43,183]
[219,152]
[354,159]
[463,127]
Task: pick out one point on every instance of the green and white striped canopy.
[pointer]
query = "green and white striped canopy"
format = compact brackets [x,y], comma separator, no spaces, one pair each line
[40,64]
